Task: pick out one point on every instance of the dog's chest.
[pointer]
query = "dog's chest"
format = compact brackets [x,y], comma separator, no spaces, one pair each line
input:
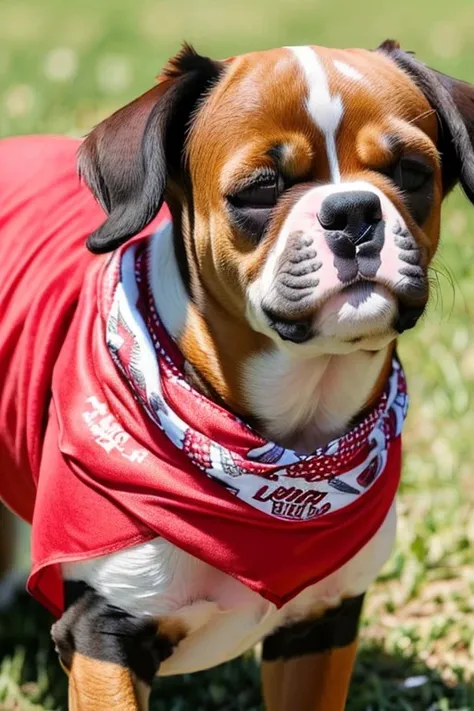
[211,616]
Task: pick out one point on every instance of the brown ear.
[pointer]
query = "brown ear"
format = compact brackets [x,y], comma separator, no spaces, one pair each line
[453,101]
[128,158]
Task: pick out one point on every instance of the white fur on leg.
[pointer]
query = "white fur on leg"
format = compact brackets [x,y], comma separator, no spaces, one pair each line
[221,616]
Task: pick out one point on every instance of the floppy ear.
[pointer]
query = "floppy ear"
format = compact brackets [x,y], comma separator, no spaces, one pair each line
[128,158]
[453,101]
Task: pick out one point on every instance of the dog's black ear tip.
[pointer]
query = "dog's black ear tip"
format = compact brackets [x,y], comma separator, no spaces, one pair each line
[97,243]
[92,244]
[389,45]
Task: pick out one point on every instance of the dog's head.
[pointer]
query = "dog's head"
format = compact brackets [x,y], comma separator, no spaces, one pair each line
[305,184]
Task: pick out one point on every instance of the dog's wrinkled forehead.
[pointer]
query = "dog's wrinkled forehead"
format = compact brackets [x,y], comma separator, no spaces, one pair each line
[312,104]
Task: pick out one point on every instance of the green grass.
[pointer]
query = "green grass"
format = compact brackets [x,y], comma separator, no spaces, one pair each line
[64,66]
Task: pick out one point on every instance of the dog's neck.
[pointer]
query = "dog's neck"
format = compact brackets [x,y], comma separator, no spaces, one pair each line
[298,403]
[304,404]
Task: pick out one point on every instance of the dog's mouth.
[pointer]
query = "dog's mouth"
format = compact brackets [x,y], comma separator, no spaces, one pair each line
[357,312]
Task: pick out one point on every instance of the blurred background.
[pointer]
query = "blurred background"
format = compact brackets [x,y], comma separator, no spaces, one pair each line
[64,65]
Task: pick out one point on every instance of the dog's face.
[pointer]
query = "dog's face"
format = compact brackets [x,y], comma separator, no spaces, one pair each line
[318,196]
[306,183]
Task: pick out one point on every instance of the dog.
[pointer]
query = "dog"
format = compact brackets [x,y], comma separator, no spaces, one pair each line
[204,424]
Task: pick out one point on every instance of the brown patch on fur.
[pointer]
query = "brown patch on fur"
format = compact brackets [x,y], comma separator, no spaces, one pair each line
[314,682]
[172,629]
[216,345]
[297,156]
[103,686]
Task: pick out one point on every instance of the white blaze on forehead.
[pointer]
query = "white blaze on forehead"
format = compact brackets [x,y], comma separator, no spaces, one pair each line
[325,110]
[348,71]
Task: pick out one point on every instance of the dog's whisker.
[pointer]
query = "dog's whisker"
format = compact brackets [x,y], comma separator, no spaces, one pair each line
[442,271]
[424,114]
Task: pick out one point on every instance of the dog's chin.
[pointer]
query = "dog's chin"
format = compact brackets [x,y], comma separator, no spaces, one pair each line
[361,312]
[358,317]
[361,316]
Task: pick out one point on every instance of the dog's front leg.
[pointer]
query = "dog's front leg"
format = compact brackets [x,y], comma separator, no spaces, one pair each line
[308,665]
[110,656]
[98,685]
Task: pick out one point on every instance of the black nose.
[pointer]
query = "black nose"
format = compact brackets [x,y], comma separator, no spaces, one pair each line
[355,213]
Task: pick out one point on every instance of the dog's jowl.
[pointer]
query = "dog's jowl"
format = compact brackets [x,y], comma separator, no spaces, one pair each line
[204,426]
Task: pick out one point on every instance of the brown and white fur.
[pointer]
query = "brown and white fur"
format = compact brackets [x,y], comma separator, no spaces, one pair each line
[266,161]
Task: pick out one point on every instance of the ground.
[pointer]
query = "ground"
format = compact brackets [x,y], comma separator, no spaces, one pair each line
[65,65]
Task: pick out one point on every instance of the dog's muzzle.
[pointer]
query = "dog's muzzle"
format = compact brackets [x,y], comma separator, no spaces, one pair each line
[342,241]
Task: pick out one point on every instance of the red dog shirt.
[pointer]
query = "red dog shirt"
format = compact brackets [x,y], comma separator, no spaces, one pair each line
[103,443]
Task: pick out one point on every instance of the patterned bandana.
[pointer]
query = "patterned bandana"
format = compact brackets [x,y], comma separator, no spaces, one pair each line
[277,481]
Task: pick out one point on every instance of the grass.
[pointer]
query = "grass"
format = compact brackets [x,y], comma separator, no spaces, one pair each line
[64,66]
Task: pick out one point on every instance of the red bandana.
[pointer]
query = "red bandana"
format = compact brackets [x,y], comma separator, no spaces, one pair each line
[131,451]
